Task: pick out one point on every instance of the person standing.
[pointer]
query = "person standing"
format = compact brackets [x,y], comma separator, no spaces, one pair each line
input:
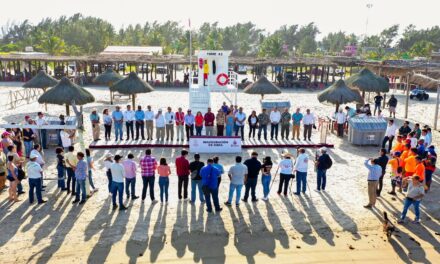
[3,168]
[189,124]
[266,177]
[61,169]
[28,139]
[148,166]
[297,118]
[130,177]
[160,126]
[396,172]
[129,120]
[390,133]
[13,179]
[34,172]
[139,117]
[80,176]
[323,163]
[275,118]
[169,127]
[209,176]
[196,178]
[377,102]
[374,173]
[220,122]
[285,123]
[42,132]
[71,161]
[199,123]
[220,168]
[91,168]
[254,167]
[229,123]
[286,173]
[149,122]
[253,123]
[164,172]
[309,122]
[180,123]
[107,119]
[95,120]
[263,121]
[392,104]
[237,174]
[209,122]
[182,171]
[414,196]
[301,166]
[340,121]
[108,161]
[118,174]
[118,119]
[240,119]
[224,108]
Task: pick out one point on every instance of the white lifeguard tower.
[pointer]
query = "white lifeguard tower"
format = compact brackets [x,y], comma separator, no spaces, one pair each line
[213,75]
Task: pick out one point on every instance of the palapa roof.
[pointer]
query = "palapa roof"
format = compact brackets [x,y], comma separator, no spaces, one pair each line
[66,91]
[424,81]
[367,81]
[108,77]
[339,93]
[41,80]
[132,84]
[262,86]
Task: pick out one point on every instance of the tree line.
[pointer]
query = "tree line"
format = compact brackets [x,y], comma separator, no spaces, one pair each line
[80,35]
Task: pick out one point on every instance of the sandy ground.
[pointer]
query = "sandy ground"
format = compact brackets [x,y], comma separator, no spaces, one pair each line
[330,227]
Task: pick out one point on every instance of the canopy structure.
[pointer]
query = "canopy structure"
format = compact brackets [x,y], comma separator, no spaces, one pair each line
[339,93]
[64,92]
[262,86]
[108,78]
[366,81]
[424,81]
[42,80]
[132,85]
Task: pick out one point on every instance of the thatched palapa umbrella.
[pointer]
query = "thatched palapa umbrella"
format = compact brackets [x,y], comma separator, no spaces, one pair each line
[262,86]
[108,78]
[42,80]
[428,83]
[64,92]
[339,93]
[366,81]
[132,85]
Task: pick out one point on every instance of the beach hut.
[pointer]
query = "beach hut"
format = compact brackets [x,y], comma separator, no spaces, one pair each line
[366,81]
[64,92]
[428,83]
[131,85]
[262,86]
[339,93]
[108,78]
[42,80]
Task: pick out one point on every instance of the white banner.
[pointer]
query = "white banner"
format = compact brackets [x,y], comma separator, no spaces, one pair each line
[215,144]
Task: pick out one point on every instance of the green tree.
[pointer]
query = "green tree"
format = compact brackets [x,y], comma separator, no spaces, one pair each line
[272,47]
[52,45]
[422,48]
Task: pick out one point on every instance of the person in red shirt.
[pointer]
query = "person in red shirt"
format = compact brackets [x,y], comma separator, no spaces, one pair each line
[180,122]
[182,170]
[199,123]
[209,122]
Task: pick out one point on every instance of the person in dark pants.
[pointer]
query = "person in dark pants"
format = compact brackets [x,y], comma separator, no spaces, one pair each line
[377,102]
[148,166]
[340,121]
[254,167]
[382,161]
[71,161]
[275,118]
[209,176]
[108,161]
[323,163]
[129,120]
[286,173]
[196,179]
[253,123]
[34,171]
[139,116]
[263,120]
[182,170]
[390,133]
[42,132]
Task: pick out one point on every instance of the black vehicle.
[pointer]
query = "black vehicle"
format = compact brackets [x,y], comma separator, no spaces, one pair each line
[419,94]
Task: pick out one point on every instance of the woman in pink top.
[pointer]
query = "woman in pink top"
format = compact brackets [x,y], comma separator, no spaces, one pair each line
[164,171]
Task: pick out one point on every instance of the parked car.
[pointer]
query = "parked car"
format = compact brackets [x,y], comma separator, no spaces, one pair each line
[419,93]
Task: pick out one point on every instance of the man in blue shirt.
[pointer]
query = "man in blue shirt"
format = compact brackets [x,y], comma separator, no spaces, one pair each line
[189,124]
[374,173]
[296,117]
[209,176]
[118,119]
[139,117]
[81,171]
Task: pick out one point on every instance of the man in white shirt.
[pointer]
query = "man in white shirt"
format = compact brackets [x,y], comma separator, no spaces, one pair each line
[286,173]
[129,122]
[309,122]
[238,176]
[34,173]
[149,122]
[340,121]
[240,118]
[42,132]
[301,166]
[118,175]
[390,133]
[275,118]
[170,118]
[160,125]
[66,139]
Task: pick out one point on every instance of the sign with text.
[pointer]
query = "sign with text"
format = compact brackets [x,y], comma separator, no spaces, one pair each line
[215,144]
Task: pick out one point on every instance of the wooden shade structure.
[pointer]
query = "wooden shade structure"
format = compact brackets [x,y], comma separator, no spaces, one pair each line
[428,83]
[108,78]
[132,85]
[64,92]
[339,93]
[42,80]
[262,86]
[367,81]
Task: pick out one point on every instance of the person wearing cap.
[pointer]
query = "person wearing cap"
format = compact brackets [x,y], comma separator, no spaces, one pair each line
[129,122]
[323,163]
[301,166]
[6,141]
[71,161]
[182,171]
[189,124]
[396,172]
[382,161]
[220,122]
[108,161]
[118,174]
[160,125]
[149,122]
[209,176]
[43,132]
[254,167]
[286,173]
[180,123]
[237,174]
[139,117]
[34,173]
[118,120]
[95,120]
[130,177]
[170,118]
[196,178]
[414,196]
[148,166]
[81,169]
